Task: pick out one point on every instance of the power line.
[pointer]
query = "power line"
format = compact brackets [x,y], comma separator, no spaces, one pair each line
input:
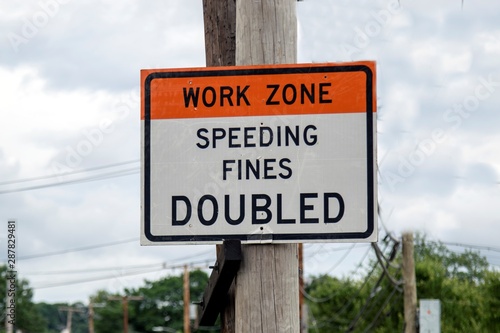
[96,270]
[78,249]
[384,305]
[472,246]
[134,272]
[341,259]
[106,277]
[321,250]
[338,315]
[380,294]
[330,296]
[388,263]
[375,289]
[107,175]
[368,304]
[318,300]
[192,256]
[23,180]
[105,269]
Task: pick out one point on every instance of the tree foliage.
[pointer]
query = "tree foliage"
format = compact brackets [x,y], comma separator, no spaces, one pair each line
[56,319]
[162,305]
[333,302]
[27,317]
[108,314]
[468,289]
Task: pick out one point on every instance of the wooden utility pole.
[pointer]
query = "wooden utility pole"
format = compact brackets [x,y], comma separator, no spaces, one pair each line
[125,300]
[220,50]
[267,284]
[220,32]
[91,316]
[265,297]
[187,302]
[410,287]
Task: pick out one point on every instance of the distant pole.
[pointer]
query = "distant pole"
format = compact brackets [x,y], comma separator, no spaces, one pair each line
[91,316]
[125,300]
[267,284]
[125,314]
[69,318]
[187,326]
[410,287]
[68,321]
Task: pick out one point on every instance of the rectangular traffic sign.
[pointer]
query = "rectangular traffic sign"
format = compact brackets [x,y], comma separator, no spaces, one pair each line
[274,153]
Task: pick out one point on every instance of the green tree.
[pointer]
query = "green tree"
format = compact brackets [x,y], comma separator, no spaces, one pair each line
[27,318]
[464,283]
[108,315]
[163,304]
[469,265]
[53,317]
[333,302]
[56,319]
[491,291]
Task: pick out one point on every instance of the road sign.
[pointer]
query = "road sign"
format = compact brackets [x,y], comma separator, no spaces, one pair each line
[280,153]
[430,316]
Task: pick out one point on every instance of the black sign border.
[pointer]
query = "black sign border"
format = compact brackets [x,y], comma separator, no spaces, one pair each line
[218,238]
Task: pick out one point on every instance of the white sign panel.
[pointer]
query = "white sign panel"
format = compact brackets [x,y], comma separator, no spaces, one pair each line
[430,316]
[260,154]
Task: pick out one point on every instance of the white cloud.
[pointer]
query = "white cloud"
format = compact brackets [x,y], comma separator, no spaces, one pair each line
[38,121]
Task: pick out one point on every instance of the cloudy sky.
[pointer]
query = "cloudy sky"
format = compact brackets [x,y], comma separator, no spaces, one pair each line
[70,130]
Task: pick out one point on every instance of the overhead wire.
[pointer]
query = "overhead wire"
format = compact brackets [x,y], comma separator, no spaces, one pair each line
[330,296]
[385,265]
[384,305]
[482,249]
[105,269]
[321,249]
[201,253]
[351,299]
[472,246]
[102,176]
[106,277]
[381,219]
[94,270]
[318,300]
[78,249]
[373,292]
[23,180]
[341,259]
[338,315]
[380,294]
[122,274]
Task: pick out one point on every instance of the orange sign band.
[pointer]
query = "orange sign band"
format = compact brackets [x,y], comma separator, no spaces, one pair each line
[258,91]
